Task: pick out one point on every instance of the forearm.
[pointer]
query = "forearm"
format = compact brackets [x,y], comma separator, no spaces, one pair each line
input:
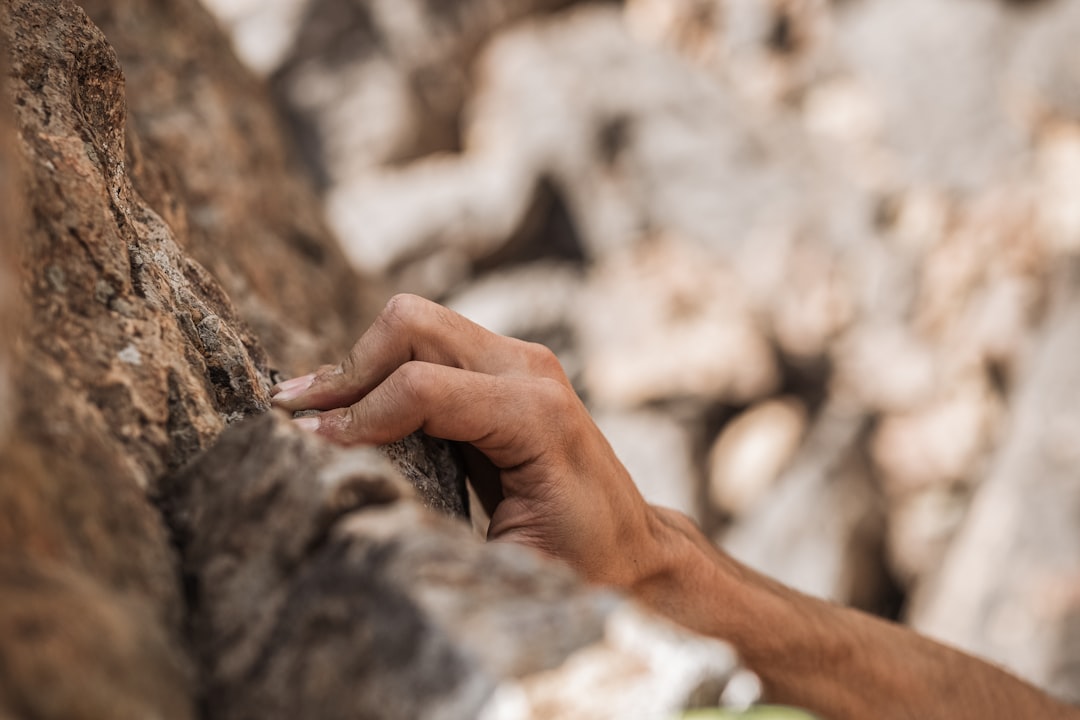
[838,662]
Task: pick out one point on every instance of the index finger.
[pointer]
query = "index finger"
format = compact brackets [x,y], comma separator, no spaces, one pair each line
[411,328]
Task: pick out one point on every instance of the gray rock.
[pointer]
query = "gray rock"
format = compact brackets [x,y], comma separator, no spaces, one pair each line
[659,453]
[958,81]
[1007,587]
[402,66]
[319,587]
[821,530]
[436,471]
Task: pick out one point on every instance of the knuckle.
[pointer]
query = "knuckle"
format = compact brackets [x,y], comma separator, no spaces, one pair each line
[542,361]
[412,380]
[404,309]
[556,398]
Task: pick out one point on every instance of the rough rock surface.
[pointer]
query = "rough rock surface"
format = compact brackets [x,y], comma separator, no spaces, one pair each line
[310,580]
[10,210]
[132,359]
[214,167]
[317,588]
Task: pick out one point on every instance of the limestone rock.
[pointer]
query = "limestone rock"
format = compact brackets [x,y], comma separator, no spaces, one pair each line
[937,69]
[214,165]
[535,302]
[624,153]
[644,668]
[752,452]
[1007,589]
[649,332]
[658,451]
[400,65]
[821,530]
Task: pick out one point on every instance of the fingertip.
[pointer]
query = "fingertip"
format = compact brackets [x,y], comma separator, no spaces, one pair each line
[310,424]
[290,390]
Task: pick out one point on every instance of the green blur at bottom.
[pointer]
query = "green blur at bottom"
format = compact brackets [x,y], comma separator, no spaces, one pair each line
[760,712]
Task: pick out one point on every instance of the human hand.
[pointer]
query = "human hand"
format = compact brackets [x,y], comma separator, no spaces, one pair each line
[546,474]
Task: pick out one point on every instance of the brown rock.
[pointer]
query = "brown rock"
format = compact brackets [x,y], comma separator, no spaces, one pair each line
[132,356]
[113,662]
[10,219]
[212,163]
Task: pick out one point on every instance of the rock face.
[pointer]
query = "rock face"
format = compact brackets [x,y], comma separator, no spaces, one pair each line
[168,548]
[210,160]
[10,208]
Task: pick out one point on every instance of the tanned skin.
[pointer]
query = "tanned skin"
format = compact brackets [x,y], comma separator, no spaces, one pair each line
[551,481]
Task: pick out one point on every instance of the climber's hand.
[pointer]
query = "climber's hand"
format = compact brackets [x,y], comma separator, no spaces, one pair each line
[563,491]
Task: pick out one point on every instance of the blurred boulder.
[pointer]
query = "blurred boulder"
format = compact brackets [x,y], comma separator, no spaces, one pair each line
[921,524]
[937,68]
[658,451]
[626,154]
[667,321]
[644,668]
[752,452]
[11,207]
[821,530]
[939,444]
[534,302]
[1008,586]
[1043,77]
[402,66]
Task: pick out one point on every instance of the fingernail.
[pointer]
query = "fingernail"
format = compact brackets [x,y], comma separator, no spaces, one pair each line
[311,424]
[292,389]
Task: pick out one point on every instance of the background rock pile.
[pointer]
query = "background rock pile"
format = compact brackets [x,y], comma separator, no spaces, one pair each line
[812,264]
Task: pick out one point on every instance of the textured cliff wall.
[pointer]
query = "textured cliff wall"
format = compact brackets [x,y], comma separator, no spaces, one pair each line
[170,549]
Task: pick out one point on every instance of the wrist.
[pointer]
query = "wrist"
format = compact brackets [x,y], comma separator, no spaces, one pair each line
[687,579]
[702,588]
